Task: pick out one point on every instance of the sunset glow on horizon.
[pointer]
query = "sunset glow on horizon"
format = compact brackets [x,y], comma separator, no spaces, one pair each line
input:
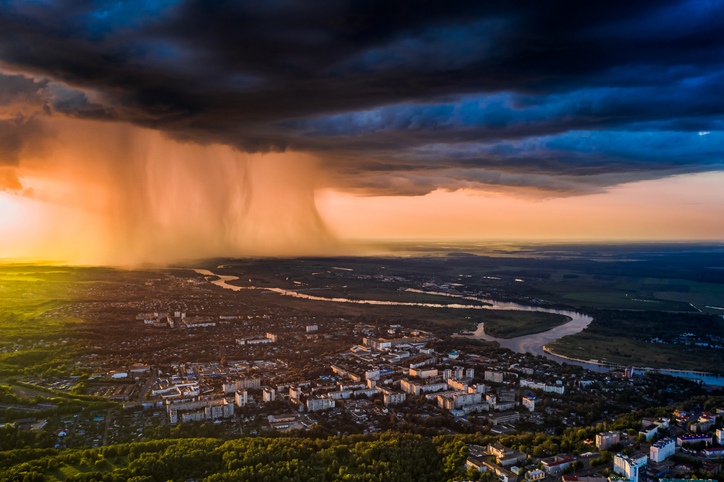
[681,208]
[76,187]
[153,139]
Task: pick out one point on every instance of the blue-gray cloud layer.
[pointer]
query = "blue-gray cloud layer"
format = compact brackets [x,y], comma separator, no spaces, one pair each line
[396,97]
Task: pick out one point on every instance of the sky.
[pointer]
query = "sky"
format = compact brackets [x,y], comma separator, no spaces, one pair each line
[141,130]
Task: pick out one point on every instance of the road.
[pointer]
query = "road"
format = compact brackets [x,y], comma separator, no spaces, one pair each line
[586,471]
[147,386]
[108,422]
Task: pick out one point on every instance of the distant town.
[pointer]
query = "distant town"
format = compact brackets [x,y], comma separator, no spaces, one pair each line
[172,355]
[392,376]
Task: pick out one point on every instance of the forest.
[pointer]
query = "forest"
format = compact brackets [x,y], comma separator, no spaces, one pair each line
[653,343]
[399,457]
[390,456]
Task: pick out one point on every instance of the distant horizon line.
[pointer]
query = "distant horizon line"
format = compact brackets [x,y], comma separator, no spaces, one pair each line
[43,260]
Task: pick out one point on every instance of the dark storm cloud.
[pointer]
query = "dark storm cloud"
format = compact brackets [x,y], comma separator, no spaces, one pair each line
[397,97]
[16,89]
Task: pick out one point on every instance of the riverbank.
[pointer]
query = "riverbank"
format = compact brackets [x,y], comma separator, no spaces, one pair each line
[481,303]
[579,361]
[513,324]
[595,365]
[646,339]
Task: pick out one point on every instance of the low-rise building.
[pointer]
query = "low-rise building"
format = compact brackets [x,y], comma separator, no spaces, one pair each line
[693,439]
[198,322]
[503,406]
[681,415]
[649,431]
[478,463]
[536,474]
[661,422]
[139,368]
[557,464]
[499,450]
[529,403]
[501,418]
[286,425]
[712,452]
[503,474]
[253,341]
[577,478]
[685,480]
[506,456]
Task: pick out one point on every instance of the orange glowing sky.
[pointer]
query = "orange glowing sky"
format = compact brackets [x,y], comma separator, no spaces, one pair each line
[113,193]
[154,132]
[686,207]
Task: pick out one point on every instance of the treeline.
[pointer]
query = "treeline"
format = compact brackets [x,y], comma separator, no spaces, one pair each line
[87,398]
[46,361]
[390,456]
[652,324]
[63,406]
[12,439]
[385,457]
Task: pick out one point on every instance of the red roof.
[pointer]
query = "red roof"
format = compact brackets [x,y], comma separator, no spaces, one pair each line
[560,462]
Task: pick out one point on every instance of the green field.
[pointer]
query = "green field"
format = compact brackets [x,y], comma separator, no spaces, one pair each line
[645,277]
[625,338]
[512,324]
[102,465]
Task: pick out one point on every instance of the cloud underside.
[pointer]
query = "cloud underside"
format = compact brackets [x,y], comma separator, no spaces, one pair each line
[394,98]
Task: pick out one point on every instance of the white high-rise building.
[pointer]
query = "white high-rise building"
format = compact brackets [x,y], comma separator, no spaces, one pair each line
[606,439]
[295,393]
[241,398]
[316,404]
[629,466]
[662,449]
[492,376]
[269,395]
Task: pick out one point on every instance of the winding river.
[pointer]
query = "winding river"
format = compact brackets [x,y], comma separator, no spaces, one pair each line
[523,344]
